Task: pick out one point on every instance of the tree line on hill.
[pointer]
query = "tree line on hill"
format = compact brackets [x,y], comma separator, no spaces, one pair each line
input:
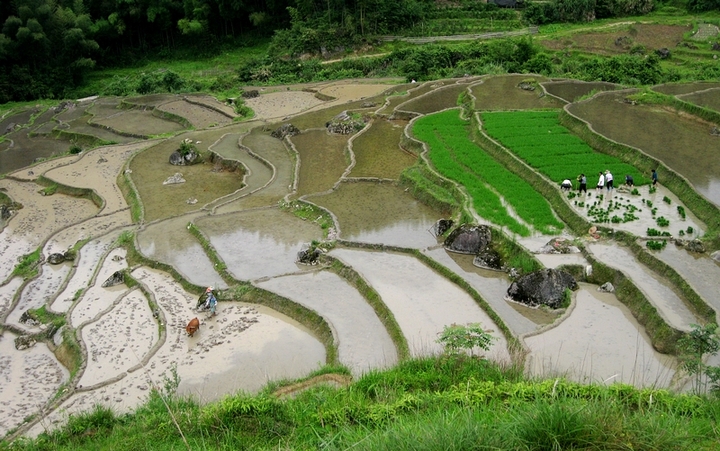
[48,47]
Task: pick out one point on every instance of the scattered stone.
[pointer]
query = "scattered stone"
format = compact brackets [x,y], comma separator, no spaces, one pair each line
[24,342]
[624,42]
[117,278]
[177,159]
[663,53]
[468,239]
[174,179]
[191,201]
[442,226]
[488,257]
[559,246]
[715,131]
[526,86]
[102,160]
[5,212]
[345,124]
[285,130]
[368,105]
[715,256]
[308,256]
[56,258]
[58,336]
[117,258]
[607,287]
[716,46]
[542,287]
[696,246]
[588,271]
[251,94]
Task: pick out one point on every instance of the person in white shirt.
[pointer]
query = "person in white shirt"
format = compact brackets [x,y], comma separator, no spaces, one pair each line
[608,180]
[601,182]
[566,185]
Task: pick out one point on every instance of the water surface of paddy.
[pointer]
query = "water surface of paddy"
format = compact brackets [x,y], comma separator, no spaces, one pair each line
[422,302]
[571,90]
[322,160]
[363,342]
[599,342]
[373,212]
[258,243]
[436,100]
[675,89]
[377,151]
[502,93]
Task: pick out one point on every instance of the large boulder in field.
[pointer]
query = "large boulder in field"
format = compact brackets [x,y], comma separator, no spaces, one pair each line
[468,239]
[285,130]
[559,246]
[117,278]
[56,258]
[543,287]
[488,257]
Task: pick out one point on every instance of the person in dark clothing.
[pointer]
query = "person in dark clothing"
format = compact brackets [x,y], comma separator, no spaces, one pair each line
[582,180]
[629,180]
[654,177]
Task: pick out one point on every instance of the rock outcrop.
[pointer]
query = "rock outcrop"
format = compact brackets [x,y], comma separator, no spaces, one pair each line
[468,239]
[559,246]
[117,278]
[543,287]
[285,130]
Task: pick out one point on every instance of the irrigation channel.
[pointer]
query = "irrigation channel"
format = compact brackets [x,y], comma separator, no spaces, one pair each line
[384,286]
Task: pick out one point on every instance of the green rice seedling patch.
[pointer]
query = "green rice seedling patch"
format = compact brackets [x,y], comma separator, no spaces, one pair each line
[458,158]
[538,138]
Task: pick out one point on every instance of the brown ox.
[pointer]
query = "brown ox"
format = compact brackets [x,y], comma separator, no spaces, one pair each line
[192,326]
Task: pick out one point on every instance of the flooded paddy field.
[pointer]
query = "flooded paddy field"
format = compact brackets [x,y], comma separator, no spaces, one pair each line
[198,115]
[572,90]
[134,336]
[676,89]
[486,95]
[131,121]
[709,98]
[683,143]
[377,151]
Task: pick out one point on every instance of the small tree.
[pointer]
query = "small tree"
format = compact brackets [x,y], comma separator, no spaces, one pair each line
[700,342]
[457,338]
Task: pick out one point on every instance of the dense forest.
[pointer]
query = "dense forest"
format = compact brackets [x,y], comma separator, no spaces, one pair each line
[48,47]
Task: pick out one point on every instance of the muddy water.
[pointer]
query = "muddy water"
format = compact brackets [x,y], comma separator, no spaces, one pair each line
[39,291]
[273,151]
[204,183]
[323,160]
[258,243]
[571,90]
[170,242]
[198,116]
[7,292]
[600,342]
[678,141]
[211,102]
[276,105]
[439,99]
[657,291]
[90,228]
[23,151]
[699,270]
[119,340]
[82,125]
[97,299]
[501,93]
[135,121]
[377,151]
[41,216]
[708,99]
[373,212]
[258,173]
[492,286]
[86,262]
[363,342]
[422,302]
[30,379]
[403,93]
[675,89]
[152,99]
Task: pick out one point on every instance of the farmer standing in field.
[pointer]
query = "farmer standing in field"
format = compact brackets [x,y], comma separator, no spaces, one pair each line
[583,183]
[654,177]
[601,182]
[608,180]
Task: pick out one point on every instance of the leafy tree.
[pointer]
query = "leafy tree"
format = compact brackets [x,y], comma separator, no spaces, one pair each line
[458,338]
[701,342]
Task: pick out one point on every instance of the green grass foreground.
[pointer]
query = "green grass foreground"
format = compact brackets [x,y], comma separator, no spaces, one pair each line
[449,403]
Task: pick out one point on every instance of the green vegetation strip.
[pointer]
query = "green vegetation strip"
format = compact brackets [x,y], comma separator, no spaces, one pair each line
[432,403]
[538,138]
[375,301]
[458,158]
[431,189]
[705,210]
[549,191]
[130,193]
[656,98]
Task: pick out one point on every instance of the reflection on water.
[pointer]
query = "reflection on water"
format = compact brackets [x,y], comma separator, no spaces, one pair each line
[363,342]
[600,341]
[380,213]
[258,243]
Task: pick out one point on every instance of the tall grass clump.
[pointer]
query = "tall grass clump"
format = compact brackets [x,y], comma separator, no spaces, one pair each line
[458,158]
[538,138]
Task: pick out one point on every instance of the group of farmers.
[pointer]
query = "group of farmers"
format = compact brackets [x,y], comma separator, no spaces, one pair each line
[605,181]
